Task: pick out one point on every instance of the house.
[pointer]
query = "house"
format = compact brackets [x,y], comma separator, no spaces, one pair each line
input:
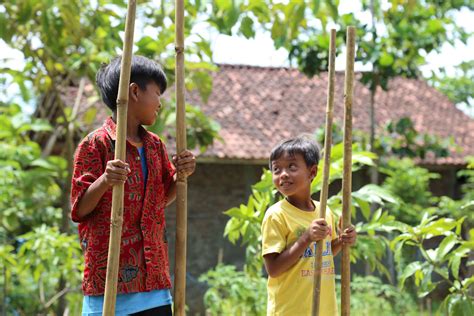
[259,106]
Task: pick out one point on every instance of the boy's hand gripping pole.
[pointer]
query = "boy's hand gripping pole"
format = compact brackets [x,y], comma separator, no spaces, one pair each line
[116,217]
[326,166]
[347,167]
[181,183]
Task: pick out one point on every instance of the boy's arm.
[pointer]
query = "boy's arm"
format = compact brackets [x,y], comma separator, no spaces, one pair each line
[277,263]
[115,173]
[171,193]
[336,246]
[349,236]
[91,197]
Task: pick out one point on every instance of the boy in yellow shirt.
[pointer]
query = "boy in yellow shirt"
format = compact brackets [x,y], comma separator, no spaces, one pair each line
[290,230]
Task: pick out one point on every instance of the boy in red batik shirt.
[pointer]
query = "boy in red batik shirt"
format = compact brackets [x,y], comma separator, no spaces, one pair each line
[149,177]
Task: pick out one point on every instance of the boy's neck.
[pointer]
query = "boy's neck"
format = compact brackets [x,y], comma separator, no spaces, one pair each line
[133,128]
[305,204]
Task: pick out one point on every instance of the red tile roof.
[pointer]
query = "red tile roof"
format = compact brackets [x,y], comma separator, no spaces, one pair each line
[259,106]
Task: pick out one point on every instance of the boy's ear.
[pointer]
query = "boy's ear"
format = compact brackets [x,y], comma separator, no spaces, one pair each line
[133,91]
[314,171]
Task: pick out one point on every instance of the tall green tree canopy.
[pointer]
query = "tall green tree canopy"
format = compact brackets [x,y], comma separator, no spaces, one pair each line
[458,87]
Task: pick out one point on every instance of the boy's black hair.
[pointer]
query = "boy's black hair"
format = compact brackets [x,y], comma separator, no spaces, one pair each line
[143,71]
[304,144]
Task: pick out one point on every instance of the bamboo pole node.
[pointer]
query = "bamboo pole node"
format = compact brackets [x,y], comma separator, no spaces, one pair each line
[116,223]
[179,50]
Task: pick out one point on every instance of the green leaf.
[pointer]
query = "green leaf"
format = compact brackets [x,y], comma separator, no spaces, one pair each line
[442,226]
[460,305]
[456,261]
[364,207]
[386,59]
[237,212]
[446,245]
[246,27]
[409,271]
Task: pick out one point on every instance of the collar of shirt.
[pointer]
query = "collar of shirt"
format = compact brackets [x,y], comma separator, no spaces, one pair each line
[111,128]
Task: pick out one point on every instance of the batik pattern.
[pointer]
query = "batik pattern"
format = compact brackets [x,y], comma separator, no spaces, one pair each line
[144,263]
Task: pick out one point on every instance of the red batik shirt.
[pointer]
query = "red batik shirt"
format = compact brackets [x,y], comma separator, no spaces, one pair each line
[144,264]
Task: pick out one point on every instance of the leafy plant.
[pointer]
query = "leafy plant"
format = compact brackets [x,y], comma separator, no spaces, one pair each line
[234,292]
[458,87]
[439,265]
[401,139]
[35,266]
[467,202]
[28,191]
[410,184]
[201,131]
[370,296]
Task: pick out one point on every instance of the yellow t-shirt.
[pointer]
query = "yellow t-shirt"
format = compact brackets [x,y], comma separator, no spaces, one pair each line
[291,293]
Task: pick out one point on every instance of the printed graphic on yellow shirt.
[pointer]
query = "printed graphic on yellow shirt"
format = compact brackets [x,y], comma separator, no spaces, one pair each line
[327,267]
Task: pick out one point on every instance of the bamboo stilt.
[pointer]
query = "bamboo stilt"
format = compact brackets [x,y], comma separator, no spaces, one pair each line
[318,259]
[347,174]
[116,217]
[181,185]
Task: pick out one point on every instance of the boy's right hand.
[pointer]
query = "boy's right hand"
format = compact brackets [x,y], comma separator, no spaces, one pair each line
[116,172]
[318,230]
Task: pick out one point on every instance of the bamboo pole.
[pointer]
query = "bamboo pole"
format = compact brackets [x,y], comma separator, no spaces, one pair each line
[347,166]
[116,217]
[318,259]
[181,184]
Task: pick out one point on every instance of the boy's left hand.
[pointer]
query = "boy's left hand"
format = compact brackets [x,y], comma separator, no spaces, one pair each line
[185,163]
[348,236]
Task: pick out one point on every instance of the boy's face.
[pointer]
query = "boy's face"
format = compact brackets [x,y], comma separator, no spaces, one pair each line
[291,176]
[147,104]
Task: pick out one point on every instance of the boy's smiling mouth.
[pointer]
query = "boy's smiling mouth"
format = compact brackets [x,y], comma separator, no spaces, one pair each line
[285,183]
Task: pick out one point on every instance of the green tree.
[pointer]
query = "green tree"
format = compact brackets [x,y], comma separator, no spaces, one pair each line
[34,257]
[298,26]
[457,87]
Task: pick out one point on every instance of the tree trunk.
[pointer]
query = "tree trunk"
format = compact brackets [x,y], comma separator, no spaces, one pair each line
[66,203]
[374,175]
[66,209]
